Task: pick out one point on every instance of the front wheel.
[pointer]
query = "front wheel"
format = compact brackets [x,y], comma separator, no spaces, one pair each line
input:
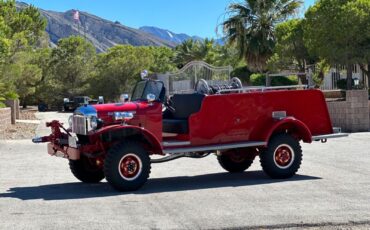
[127,166]
[282,158]
[86,170]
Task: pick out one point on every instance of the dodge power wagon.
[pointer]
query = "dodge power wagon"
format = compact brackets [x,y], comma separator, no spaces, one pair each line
[117,141]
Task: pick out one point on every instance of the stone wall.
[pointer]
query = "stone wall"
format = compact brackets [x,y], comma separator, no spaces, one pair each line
[352,115]
[5,120]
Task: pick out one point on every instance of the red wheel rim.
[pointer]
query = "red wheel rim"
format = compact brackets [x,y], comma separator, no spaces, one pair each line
[284,156]
[130,166]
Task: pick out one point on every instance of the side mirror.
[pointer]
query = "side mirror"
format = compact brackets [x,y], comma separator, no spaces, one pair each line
[150,97]
[124,98]
[101,100]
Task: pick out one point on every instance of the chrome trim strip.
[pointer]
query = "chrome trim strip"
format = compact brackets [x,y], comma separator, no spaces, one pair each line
[263,88]
[175,143]
[215,147]
[328,136]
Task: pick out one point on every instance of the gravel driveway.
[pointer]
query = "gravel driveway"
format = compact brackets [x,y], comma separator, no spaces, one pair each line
[331,191]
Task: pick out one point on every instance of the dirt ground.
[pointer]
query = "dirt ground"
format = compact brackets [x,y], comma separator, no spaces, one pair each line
[28,114]
[22,130]
[19,131]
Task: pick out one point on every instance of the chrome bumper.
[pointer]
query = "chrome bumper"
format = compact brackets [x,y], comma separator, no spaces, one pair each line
[337,133]
[329,136]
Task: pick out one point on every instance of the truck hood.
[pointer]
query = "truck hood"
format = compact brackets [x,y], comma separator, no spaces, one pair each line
[104,110]
[116,107]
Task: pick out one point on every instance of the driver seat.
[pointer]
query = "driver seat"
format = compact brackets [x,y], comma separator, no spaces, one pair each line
[184,105]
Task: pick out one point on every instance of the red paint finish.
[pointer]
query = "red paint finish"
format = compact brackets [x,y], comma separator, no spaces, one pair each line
[296,127]
[146,115]
[155,144]
[248,116]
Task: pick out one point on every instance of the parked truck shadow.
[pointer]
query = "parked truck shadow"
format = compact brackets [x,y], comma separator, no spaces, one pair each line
[78,190]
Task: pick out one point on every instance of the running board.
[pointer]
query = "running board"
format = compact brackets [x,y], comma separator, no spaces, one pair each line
[329,136]
[215,147]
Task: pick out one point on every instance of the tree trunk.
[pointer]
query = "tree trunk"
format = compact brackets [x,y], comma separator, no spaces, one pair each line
[366,72]
[349,76]
[302,69]
[24,103]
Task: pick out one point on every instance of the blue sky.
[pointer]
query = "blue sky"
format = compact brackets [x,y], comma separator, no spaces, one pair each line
[193,17]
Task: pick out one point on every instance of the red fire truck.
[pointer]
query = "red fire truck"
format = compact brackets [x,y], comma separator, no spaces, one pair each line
[116,141]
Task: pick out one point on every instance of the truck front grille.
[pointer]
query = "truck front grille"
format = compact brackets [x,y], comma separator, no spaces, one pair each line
[79,125]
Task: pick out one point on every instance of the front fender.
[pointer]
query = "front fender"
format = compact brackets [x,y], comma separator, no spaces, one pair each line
[128,131]
[293,126]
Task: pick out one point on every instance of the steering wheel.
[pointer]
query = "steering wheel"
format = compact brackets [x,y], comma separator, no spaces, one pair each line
[202,87]
[168,105]
[236,83]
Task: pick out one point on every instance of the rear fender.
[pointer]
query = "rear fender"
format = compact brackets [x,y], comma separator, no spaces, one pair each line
[117,133]
[293,127]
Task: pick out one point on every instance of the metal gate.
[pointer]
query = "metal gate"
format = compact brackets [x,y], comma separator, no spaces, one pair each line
[184,80]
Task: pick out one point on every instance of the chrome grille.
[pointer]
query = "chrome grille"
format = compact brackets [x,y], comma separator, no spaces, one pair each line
[79,125]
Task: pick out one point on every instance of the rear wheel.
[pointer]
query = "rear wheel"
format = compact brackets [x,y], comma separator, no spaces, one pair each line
[282,158]
[127,166]
[235,160]
[86,170]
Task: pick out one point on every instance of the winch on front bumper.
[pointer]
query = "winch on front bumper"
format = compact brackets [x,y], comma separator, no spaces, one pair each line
[61,144]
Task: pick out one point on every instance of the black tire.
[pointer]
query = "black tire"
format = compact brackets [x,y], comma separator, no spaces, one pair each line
[235,163]
[282,158]
[85,171]
[135,157]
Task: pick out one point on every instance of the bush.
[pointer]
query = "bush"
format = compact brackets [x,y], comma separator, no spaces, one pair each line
[342,84]
[5,94]
[260,80]
[243,73]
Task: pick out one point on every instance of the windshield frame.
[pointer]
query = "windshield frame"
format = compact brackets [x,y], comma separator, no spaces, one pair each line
[142,96]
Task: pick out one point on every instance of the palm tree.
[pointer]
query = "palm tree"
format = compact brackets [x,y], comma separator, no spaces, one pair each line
[194,50]
[251,27]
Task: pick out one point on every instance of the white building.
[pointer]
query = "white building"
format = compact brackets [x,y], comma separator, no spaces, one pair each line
[339,72]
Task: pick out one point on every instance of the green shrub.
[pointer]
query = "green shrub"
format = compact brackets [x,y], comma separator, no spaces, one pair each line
[257,79]
[260,80]
[243,73]
[342,84]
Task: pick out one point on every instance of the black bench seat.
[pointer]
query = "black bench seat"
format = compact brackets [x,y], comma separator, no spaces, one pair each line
[184,105]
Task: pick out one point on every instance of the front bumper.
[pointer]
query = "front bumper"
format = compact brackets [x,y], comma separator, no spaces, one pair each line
[65,152]
[60,144]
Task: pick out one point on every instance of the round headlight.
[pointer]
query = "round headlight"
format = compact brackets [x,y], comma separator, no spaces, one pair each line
[94,122]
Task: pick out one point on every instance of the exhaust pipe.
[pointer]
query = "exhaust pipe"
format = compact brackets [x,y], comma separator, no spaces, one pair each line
[179,155]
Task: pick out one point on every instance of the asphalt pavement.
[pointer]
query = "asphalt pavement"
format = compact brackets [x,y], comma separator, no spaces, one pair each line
[331,191]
